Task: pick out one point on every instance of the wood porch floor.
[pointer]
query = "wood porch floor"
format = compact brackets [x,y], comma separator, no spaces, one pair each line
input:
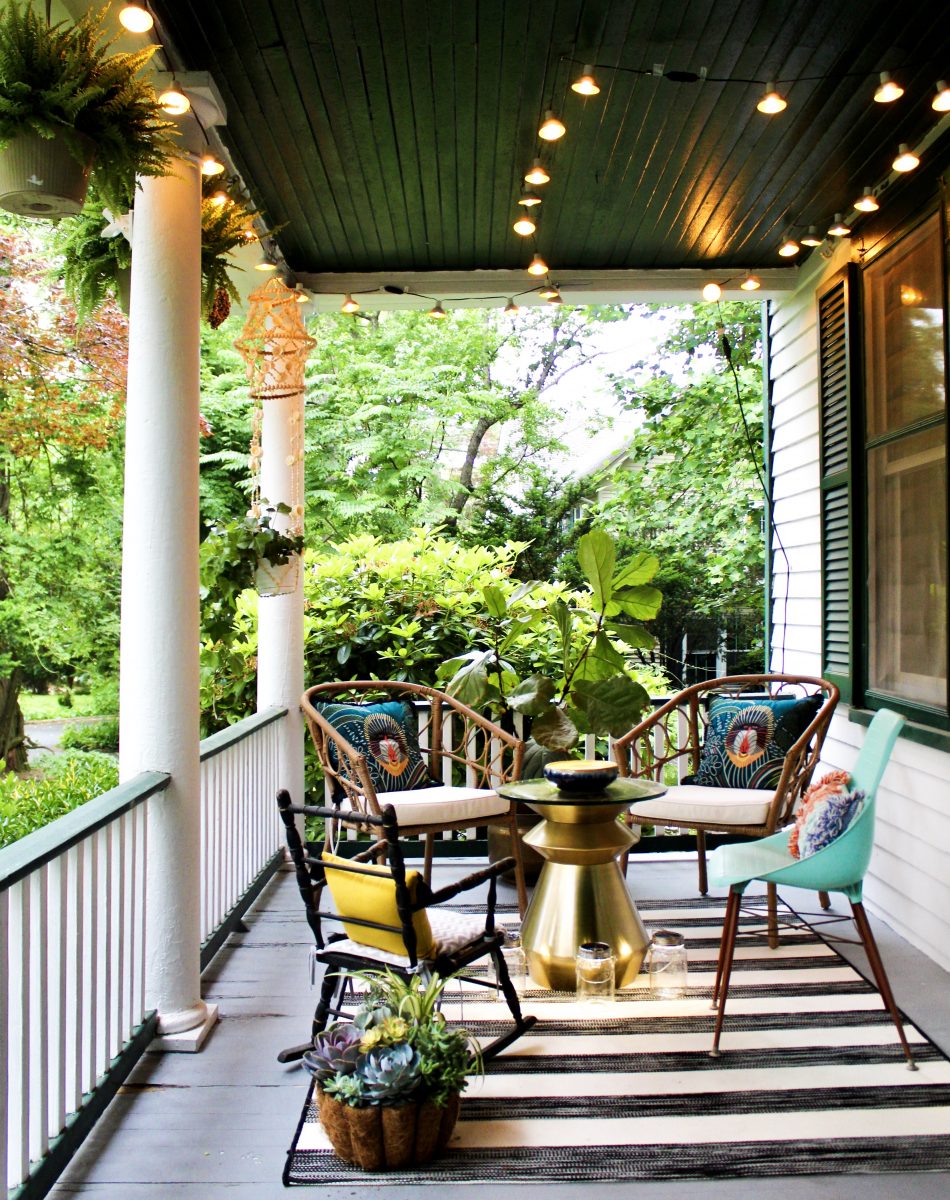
[217,1124]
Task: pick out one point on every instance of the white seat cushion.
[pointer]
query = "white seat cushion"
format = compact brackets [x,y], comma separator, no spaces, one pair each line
[450,931]
[436,805]
[720,806]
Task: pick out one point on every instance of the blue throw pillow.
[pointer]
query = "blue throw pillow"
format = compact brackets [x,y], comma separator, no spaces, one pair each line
[385,733]
[747,740]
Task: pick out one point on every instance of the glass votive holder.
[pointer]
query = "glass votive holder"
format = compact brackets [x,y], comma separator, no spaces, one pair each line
[668,966]
[512,952]
[594,968]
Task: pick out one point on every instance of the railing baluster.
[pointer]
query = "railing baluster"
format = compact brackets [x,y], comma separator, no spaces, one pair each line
[20,1027]
[39,1015]
[5,975]
[57,883]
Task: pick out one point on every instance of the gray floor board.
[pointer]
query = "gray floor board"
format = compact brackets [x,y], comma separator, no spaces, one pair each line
[218,1123]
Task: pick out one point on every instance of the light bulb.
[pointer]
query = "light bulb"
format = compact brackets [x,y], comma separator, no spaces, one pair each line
[586,84]
[537,266]
[838,227]
[524,225]
[135,18]
[789,247]
[219,199]
[552,127]
[555,297]
[941,101]
[906,159]
[349,305]
[529,199]
[211,166]
[751,283]
[548,291]
[300,295]
[264,265]
[437,311]
[174,101]
[867,201]
[812,237]
[250,235]
[511,308]
[537,176]
[712,292]
[887,90]
[771,101]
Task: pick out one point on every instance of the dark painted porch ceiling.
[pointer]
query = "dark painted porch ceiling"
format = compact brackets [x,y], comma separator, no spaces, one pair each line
[392,135]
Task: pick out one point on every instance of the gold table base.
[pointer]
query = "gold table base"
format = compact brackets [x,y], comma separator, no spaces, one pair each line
[581,895]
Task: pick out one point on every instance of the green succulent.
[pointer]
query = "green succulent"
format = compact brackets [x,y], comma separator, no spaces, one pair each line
[348,1089]
[390,1075]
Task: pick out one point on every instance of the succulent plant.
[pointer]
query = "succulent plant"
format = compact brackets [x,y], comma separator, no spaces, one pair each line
[348,1089]
[335,1052]
[390,1075]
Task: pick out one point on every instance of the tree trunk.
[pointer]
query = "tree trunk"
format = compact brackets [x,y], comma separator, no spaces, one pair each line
[12,731]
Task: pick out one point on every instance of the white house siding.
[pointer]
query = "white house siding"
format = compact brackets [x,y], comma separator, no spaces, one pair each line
[908,884]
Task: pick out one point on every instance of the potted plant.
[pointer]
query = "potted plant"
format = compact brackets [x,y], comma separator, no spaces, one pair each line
[388,1082]
[248,553]
[69,110]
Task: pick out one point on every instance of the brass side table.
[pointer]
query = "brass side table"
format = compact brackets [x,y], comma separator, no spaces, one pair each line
[581,895]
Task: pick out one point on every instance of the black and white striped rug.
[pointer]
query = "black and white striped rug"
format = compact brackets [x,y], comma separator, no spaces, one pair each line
[811,1079]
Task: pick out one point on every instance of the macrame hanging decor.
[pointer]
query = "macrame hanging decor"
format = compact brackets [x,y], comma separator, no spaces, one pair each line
[275,345]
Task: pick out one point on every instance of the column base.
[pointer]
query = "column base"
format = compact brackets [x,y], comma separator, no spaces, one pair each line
[186,1041]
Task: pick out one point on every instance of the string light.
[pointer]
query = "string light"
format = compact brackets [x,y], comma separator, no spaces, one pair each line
[537,176]
[135,18]
[349,305]
[789,247]
[712,292]
[751,283]
[941,101]
[867,201]
[174,101]
[586,84]
[529,199]
[265,265]
[906,159]
[838,227]
[524,225]
[887,90]
[548,291]
[437,311]
[812,237]
[537,266]
[219,199]
[771,101]
[211,166]
[552,127]
[554,297]
[300,295]
[511,308]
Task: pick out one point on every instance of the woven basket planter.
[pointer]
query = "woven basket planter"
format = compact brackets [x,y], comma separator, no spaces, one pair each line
[276,579]
[387,1139]
[40,178]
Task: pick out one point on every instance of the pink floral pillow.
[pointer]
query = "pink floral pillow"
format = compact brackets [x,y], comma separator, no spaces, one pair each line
[826,811]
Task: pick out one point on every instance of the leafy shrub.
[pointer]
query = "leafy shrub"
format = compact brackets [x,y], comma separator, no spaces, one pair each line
[98,735]
[69,779]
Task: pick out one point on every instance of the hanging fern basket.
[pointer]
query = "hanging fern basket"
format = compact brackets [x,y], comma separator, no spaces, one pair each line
[40,177]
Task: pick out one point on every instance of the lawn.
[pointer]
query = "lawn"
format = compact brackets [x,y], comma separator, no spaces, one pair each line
[48,708]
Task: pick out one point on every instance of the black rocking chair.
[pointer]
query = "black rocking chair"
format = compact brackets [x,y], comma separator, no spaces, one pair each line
[390,919]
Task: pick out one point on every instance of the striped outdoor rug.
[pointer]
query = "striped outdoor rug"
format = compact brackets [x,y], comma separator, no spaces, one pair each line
[811,1080]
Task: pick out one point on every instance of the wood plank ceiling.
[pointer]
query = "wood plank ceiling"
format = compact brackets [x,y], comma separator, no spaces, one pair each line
[392,135]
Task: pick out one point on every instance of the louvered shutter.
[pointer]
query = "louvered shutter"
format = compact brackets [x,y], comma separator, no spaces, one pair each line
[836,499]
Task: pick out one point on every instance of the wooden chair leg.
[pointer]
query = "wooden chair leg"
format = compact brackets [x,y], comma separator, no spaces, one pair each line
[427,861]
[730,927]
[701,851]
[824,900]
[880,976]
[772,903]
[724,971]
[518,855]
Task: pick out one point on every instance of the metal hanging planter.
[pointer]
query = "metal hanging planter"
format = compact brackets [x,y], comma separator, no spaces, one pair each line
[40,177]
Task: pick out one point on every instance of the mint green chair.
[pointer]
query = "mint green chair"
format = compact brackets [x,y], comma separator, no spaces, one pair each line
[838,867]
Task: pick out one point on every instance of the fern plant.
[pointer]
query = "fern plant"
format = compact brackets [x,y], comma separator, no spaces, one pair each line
[60,80]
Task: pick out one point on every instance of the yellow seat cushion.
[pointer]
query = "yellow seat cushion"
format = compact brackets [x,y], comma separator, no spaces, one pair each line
[372,897]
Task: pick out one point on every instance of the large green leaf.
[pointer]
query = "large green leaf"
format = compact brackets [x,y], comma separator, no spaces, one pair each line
[532,696]
[554,730]
[634,636]
[495,601]
[565,624]
[636,570]
[610,706]
[641,603]
[597,555]
[470,683]
[603,660]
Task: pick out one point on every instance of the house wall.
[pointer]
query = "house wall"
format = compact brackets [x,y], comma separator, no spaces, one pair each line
[908,884]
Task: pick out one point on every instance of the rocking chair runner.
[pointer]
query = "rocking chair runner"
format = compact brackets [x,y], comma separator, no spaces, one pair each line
[462,757]
[391,920]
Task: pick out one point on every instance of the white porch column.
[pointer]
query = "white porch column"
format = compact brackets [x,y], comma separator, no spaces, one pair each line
[159,703]
[280,673]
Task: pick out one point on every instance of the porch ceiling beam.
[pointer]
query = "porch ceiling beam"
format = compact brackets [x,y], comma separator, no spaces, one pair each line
[472,289]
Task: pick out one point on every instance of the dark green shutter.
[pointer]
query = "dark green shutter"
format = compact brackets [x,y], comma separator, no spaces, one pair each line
[837,560]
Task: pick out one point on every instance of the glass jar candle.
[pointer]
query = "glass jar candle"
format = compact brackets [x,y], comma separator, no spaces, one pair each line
[667,957]
[595,968]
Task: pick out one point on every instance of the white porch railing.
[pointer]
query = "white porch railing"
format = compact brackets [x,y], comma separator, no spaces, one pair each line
[73,1020]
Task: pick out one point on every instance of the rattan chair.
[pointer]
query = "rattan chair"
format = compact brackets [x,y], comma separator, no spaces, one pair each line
[391,920]
[466,757]
[667,746]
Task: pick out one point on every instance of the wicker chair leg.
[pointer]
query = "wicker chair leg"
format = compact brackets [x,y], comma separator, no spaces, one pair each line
[701,852]
[427,861]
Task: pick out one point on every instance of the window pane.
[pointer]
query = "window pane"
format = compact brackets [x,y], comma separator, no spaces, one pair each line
[907,556]
[903,296]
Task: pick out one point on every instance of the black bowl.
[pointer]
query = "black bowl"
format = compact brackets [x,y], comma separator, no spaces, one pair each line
[578,775]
